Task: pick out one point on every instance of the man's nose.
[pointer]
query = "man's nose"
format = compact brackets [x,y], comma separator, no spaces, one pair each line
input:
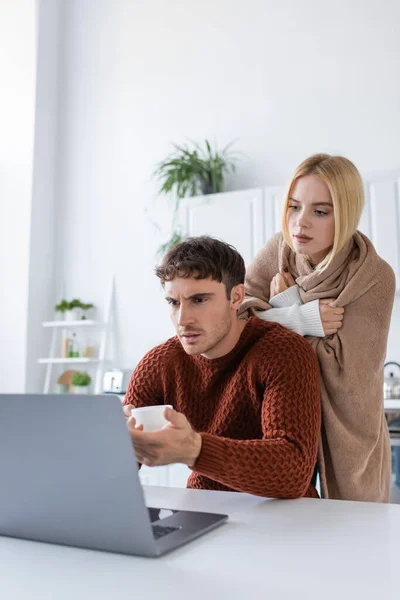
[184,316]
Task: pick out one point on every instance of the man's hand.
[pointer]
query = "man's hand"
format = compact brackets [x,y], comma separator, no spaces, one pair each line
[127,409]
[176,442]
[280,283]
[331,317]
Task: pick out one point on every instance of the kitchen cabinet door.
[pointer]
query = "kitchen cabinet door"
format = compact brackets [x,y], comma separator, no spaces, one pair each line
[235,217]
[380,220]
[272,211]
[249,218]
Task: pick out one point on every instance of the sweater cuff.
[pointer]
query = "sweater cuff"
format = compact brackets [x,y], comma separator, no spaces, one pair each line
[211,456]
[287,298]
[312,319]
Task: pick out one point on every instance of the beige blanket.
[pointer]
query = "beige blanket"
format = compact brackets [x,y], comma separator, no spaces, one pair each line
[354,450]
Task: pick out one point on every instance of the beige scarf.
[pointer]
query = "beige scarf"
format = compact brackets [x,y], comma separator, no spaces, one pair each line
[354,449]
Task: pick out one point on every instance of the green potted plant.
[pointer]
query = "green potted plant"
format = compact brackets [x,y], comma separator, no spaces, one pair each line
[192,171]
[81,382]
[62,306]
[85,308]
[73,310]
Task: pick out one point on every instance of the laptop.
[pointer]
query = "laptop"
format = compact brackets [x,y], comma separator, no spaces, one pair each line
[68,475]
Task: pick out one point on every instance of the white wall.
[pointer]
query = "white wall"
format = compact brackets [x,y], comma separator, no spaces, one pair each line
[285,79]
[44,205]
[17,102]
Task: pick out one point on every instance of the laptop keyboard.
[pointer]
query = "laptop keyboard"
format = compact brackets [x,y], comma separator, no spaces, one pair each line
[159,531]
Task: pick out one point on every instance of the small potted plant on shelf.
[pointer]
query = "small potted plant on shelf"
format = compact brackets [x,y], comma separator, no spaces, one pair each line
[81,382]
[73,310]
[85,308]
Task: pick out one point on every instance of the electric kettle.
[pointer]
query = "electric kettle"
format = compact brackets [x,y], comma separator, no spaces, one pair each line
[391,386]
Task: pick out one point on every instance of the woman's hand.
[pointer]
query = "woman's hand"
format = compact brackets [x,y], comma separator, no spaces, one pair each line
[331,317]
[280,283]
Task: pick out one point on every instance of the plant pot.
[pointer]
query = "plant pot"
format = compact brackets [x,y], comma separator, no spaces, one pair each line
[87,313]
[73,315]
[81,389]
[206,187]
[62,388]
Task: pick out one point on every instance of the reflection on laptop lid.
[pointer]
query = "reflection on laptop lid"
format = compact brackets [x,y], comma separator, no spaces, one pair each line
[69,476]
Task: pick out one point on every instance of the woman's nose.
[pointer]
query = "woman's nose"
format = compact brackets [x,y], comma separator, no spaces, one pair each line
[302,220]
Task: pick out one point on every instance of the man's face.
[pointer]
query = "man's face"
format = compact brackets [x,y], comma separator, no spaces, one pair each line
[202,314]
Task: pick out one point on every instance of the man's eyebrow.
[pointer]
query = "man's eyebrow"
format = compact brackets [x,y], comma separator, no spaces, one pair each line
[313,204]
[193,296]
[202,295]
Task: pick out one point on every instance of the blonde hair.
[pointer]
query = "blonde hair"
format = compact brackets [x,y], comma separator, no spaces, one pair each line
[347,192]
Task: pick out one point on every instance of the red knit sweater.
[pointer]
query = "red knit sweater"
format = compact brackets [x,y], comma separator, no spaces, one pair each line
[257,409]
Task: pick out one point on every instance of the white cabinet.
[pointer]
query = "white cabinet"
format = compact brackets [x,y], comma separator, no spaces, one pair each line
[248,218]
[381,218]
[235,217]
[272,211]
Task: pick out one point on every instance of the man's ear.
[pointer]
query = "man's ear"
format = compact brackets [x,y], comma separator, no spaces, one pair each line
[237,296]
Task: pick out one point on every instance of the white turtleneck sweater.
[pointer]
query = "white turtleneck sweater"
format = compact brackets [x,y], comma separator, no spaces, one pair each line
[288,310]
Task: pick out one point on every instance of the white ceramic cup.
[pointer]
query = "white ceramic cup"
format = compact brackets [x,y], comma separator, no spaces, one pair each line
[151,417]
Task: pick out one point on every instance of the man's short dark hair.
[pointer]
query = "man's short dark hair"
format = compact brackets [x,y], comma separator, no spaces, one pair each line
[203,257]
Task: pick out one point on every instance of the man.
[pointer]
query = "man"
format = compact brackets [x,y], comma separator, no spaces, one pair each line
[245,393]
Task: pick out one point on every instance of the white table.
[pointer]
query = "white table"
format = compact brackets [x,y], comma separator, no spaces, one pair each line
[269,550]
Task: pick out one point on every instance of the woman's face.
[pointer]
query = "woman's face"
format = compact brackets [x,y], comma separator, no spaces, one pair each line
[310,218]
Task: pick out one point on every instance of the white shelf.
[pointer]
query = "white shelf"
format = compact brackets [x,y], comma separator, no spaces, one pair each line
[101,329]
[81,360]
[73,324]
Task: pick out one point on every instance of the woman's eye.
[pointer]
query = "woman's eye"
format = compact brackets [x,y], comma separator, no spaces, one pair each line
[293,207]
[320,213]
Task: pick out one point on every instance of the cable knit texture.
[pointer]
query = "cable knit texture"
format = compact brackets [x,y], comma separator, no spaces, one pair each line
[286,298]
[257,409]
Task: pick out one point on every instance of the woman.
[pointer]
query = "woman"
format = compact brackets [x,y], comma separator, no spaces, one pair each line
[342,296]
